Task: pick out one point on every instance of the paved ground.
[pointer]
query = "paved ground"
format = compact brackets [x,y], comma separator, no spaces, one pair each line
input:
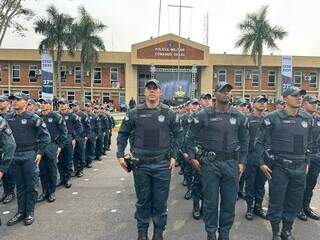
[100,206]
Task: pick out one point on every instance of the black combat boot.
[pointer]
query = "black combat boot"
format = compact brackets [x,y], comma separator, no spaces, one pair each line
[196,213]
[302,216]
[286,233]
[249,213]
[311,214]
[143,235]
[275,231]
[157,234]
[258,210]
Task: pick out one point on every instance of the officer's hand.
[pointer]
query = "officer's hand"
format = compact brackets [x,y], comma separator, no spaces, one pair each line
[266,170]
[85,140]
[123,164]
[242,167]
[172,164]
[185,156]
[307,169]
[1,175]
[58,151]
[196,165]
[73,143]
[37,160]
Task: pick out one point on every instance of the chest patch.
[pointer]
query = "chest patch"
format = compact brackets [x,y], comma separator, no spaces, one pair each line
[50,120]
[161,118]
[233,121]
[24,121]
[304,124]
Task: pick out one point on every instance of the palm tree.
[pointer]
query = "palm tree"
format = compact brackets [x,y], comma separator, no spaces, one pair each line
[57,31]
[256,33]
[88,42]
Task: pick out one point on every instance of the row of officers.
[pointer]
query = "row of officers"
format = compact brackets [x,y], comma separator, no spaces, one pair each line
[219,147]
[37,142]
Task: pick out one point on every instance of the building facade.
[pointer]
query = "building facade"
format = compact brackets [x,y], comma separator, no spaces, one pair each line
[178,63]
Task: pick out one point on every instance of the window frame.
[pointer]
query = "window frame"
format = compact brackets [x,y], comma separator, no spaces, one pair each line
[96,80]
[117,80]
[297,75]
[254,72]
[15,79]
[35,78]
[272,84]
[224,74]
[316,79]
[76,79]
[63,73]
[72,95]
[239,84]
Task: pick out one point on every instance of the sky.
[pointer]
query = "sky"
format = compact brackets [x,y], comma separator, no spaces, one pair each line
[133,21]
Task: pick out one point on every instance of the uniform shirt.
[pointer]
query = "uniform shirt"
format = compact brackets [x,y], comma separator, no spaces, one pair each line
[56,127]
[73,123]
[230,134]
[29,130]
[85,121]
[128,128]
[272,124]
[95,124]
[7,144]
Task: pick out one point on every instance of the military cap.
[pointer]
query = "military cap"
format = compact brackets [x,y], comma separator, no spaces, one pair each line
[194,101]
[45,100]
[31,101]
[310,99]
[260,98]
[279,101]
[153,81]
[242,102]
[293,91]
[222,85]
[74,103]
[205,96]
[3,98]
[63,101]
[19,95]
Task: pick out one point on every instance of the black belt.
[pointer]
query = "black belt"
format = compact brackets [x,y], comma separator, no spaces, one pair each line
[151,160]
[25,149]
[212,155]
[288,162]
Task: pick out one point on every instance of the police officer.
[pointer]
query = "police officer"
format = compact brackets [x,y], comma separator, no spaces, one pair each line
[75,129]
[92,135]
[100,136]
[310,106]
[106,128]
[32,137]
[112,124]
[7,145]
[223,135]
[9,178]
[79,150]
[285,137]
[205,100]
[156,137]
[280,104]
[255,179]
[48,165]
[32,106]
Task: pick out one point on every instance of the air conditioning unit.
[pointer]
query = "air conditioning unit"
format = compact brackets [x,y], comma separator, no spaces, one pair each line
[248,76]
[307,77]
[115,85]
[38,72]
[215,75]
[87,73]
[70,70]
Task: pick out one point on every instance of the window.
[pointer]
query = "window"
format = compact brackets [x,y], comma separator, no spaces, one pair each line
[5,92]
[297,78]
[63,72]
[39,94]
[15,73]
[70,96]
[313,79]
[238,78]
[33,73]
[97,75]
[272,78]
[247,97]
[255,78]
[77,74]
[122,98]
[114,74]
[26,92]
[222,75]
[105,97]
[87,96]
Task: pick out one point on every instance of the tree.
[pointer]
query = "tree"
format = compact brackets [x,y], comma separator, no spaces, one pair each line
[57,31]
[10,12]
[256,33]
[87,41]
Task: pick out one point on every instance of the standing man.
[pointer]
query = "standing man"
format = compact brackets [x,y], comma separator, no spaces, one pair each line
[255,179]
[7,145]
[280,104]
[156,133]
[9,179]
[285,136]
[112,125]
[205,100]
[79,158]
[32,137]
[74,132]
[222,132]
[48,165]
[310,106]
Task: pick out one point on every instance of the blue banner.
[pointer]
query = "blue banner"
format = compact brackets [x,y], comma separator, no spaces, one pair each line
[286,72]
[47,76]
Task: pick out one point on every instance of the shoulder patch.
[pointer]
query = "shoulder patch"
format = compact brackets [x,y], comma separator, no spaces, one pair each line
[8,131]
[38,122]
[267,122]
[43,125]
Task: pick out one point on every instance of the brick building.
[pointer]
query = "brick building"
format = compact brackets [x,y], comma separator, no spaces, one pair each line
[175,61]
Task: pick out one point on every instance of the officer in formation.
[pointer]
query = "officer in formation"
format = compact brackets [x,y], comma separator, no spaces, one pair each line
[48,165]
[7,146]
[9,178]
[310,104]
[32,137]
[155,133]
[285,136]
[223,134]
